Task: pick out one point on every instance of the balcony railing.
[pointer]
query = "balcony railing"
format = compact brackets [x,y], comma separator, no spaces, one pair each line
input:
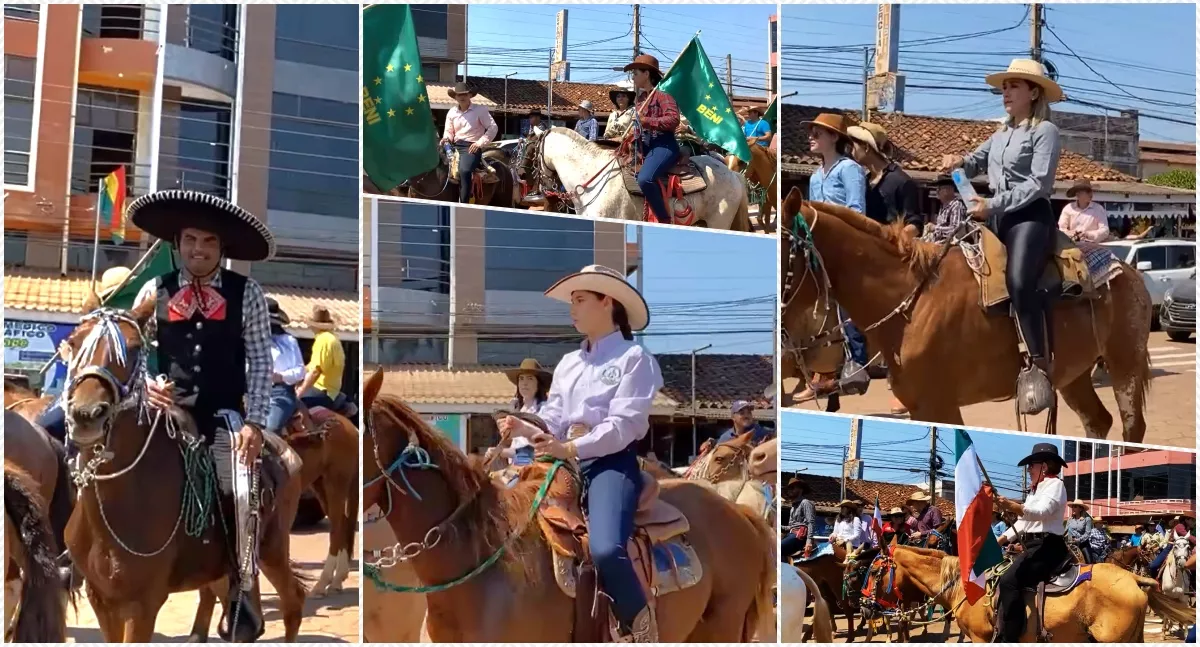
[22,11]
[118,21]
[219,37]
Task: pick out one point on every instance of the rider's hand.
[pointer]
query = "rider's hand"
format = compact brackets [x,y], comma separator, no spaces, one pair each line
[249,444]
[162,396]
[474,148]
[64,351]
[951,162]
[977,209]
[508,424]
[547,445]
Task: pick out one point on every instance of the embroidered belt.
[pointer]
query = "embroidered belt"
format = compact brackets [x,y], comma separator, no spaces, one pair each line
[577,430]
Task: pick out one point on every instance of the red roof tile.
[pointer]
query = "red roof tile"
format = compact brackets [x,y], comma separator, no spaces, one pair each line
[826,492]
[920,141]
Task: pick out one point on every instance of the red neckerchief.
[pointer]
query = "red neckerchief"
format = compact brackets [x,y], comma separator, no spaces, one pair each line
[196,297]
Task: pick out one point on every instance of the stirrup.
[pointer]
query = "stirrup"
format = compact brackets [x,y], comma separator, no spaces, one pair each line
[1035,393]
[644,629]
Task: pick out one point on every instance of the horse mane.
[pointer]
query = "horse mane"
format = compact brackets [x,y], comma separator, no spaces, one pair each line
[921,256]
[591,146]
[493,513]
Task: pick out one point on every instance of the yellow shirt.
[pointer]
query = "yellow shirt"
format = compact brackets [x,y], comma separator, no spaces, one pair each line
[327,354]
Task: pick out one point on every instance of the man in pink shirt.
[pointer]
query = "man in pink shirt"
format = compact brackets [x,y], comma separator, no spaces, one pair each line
[1084,219]
[469,128]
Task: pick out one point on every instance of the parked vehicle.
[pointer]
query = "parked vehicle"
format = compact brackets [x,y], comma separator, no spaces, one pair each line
[1178,314]
[1162,263]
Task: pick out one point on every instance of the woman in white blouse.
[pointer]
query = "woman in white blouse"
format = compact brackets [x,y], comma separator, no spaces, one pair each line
[598,409]
[533,388]
[287,371]
[849,528]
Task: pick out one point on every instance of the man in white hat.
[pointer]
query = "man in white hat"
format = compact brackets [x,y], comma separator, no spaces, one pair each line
[1079,526]
[587,126]
[469,127]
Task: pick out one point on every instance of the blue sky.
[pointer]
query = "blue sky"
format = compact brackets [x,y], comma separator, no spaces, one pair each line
[496,32]
[1150,46]
[896,452]
[696,267]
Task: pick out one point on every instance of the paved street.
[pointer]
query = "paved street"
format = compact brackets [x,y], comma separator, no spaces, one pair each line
[933,633]
[326,620]
[1170,411]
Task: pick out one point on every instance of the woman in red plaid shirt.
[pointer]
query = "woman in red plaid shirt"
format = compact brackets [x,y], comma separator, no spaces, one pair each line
[659,117]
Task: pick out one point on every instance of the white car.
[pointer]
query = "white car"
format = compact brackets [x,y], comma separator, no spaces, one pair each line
[1162,262]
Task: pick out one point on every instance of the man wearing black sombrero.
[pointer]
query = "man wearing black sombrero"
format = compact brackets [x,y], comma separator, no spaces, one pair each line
[469,127]
[657,117]
[1040,528]
[213,336]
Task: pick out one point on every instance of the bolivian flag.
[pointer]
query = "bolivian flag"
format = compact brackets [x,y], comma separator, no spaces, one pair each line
[112,203]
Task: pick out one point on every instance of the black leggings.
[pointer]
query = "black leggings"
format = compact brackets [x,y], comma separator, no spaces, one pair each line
[1037,563]
[1029,236]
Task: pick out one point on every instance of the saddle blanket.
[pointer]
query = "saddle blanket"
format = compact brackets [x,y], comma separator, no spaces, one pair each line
[822,550]
[1103,266]
[676,567]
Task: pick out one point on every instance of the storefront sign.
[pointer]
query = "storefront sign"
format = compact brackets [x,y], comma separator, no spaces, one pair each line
[452,425]
[28,345]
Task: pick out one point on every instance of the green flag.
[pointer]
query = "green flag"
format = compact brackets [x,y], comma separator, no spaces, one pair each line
[695,86]
[770,114]
[398,130]
[161,263]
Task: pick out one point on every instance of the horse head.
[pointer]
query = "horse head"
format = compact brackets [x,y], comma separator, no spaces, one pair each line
[107,369]
[810,323]
[729,460]
[764,460]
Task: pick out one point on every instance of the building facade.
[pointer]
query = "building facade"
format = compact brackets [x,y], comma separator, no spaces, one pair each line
[1128,486]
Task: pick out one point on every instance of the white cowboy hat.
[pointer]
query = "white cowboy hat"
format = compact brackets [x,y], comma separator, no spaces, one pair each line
[873,135]
[609,282]
[587,105]
[1029,70]
[1078,504]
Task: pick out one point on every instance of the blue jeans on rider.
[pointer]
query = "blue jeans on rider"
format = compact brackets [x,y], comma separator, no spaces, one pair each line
[614,483]
[1158,561]
[283,405]
[317,398]
[855,340]
[661,151]
[1191,635]
[54,420]
[791,546]
[467,163]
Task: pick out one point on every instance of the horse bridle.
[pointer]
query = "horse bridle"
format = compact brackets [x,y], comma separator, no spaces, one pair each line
[128,394]
[738,454]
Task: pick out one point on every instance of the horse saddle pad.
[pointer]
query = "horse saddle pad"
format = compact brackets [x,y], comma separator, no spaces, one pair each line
[1069,576]
[1076,272]
[822,550]
[484,171]
[690,177]
[673,566]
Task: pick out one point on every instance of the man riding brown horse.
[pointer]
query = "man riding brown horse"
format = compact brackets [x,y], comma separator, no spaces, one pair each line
[213,344]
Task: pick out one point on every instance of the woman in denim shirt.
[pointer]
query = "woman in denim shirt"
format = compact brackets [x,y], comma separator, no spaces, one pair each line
[1021,159]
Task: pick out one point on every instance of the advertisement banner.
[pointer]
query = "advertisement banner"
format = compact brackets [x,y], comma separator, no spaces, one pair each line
[453,425]
[28,345]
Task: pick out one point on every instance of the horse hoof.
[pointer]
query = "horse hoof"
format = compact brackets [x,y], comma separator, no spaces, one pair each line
[197,639]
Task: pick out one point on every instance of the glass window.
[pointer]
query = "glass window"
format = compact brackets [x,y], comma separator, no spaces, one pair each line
[1156,256]
[14,248]
[430,20]
[1070,451]
[79,255]
[213,28]
[314,156]
[431,73]
[201,155]
[105,137]
[1121,251]
[112,21]
[411,348]
[547,350]
[22,11]
[325,35]
[414,246]
[529,253]
[306,274]
[1102,450]
[1181,256]
[20,73]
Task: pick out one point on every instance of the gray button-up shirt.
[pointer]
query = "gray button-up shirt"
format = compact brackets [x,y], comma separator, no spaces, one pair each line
[1021,162]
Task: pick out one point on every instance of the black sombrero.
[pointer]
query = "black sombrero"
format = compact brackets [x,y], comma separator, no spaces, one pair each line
[1043,453]
[165,213]
[278,317]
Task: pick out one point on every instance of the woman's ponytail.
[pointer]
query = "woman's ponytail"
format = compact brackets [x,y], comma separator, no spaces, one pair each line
[621,319]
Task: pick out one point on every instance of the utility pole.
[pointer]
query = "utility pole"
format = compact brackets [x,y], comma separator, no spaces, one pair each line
[933,465]
[550,92]
[1035,32]
[637,30]
[866,74]
[729,76]
[845,452]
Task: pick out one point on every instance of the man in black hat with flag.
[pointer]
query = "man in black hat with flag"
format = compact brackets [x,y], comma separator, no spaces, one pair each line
[1040,528]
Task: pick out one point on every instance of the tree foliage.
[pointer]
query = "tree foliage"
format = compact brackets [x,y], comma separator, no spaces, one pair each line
[1176,178]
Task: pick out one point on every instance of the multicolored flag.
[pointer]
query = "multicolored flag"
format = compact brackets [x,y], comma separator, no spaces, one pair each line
[399,138]
[977,547]
[111,204]
[695,86]
[877,523]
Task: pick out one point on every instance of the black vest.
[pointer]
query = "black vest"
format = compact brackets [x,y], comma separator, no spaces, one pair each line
[205,359]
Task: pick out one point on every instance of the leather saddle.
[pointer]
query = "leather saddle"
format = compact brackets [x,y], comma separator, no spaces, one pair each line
[1066,577]
[691,179]
[483,173]
[312,423]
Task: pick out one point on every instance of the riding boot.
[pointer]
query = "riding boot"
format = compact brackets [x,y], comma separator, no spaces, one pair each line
[644,629]
[68,574]
[1035,393]
[248,625]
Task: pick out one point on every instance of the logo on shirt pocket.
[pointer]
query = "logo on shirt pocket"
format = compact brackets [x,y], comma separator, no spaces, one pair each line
[611,376]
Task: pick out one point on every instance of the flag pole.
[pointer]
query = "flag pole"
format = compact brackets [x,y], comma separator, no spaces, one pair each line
[96,233]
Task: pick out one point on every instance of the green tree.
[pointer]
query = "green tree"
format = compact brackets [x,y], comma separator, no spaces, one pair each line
[1176,178]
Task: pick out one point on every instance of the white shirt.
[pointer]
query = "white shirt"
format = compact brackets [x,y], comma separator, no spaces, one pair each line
[475,125]
[1045,510]
[852,531]
[286,359]
[609,389]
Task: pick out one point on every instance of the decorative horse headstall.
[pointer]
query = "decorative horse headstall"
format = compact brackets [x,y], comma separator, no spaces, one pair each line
[107,327]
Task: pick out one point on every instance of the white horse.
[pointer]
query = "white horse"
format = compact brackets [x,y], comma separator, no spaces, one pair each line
[794,602]
[1175,580]
[578,162]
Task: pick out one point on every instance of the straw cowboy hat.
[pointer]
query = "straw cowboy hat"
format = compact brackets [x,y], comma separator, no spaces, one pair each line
[1043,453]
[873,135]
[847,503]
[461,88]
[795,482]
[1080,185]
[616,92]
[609,282]
[1078,504]
[164,214]
[895,511]
[530,366]
[321,319]
[645,62]
[1029,70]
[112,279]
[920,495]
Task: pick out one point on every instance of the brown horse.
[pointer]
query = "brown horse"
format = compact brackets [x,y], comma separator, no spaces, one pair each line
[127,534]
[35,602]
[24,401]
[456,518]
[328,450]
[917,303]
[43,462]
[390,617]
[1132,559]
[436,184]
[761,171]
[726,466]
[1111,607]
[829,572]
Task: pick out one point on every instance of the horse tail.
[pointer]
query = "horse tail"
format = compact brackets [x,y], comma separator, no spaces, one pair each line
[760,618]
[1168,607]
[822,617]
[43,613]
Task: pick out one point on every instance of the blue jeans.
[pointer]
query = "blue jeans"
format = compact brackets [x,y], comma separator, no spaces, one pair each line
[790,546]
[317,398]
[283,405]
[614,483]
[661,151]
[1158,561]
[855,340]
[54,420]
[467,163]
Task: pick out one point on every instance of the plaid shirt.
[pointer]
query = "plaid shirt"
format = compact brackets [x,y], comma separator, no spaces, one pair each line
[659,113]
[256,331]
[951,215]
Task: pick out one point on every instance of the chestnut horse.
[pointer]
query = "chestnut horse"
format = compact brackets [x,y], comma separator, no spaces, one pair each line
[761,170]
[488,569]
[35,602]
[1111,607]
[435,184]
[918,304]
[43,462]
[828,571]
[127,534]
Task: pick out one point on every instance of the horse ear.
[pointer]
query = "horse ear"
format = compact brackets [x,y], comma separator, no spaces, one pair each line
[91,301]
[144,310]
[791,207]
[371,388]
